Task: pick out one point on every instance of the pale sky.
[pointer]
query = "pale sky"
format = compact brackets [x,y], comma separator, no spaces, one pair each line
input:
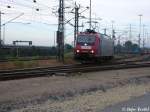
[40,27]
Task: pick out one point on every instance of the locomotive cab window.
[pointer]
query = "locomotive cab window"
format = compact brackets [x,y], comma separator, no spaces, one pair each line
[88,39]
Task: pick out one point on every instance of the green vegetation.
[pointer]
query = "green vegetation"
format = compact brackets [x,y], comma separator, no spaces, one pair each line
[128,47]
[25,64]
[32,53]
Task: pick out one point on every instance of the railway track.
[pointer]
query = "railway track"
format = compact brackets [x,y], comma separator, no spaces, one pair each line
[67,66]
[25,59]
[65,70]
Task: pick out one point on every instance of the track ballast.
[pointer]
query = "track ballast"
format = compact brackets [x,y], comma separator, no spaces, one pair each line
[66,70]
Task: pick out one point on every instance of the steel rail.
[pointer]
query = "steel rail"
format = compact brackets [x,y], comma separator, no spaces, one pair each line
[65,71]
[69,66]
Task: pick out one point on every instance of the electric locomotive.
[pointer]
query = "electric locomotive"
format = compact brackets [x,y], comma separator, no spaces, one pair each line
[91,45]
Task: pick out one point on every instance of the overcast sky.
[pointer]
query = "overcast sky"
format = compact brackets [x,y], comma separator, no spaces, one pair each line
[40,26]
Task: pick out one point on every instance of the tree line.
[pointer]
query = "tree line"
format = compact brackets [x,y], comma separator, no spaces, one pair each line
[128,47]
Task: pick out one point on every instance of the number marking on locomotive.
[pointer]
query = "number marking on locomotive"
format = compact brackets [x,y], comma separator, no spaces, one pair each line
[86,47]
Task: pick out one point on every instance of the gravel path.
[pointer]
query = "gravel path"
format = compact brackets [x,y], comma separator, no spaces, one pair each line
[37,93]
[139,104]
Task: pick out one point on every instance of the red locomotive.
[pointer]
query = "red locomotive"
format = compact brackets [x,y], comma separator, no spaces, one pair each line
[91,45]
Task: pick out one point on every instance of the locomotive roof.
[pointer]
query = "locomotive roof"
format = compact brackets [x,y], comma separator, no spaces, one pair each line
[96,34]
[90,32]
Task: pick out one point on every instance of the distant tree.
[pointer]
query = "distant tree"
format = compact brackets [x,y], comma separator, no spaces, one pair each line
[118,48]
[135,48]
[68,47]
[128,46]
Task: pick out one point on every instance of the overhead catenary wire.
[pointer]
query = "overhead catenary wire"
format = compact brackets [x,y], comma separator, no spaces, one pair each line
[28,5]
[28,8]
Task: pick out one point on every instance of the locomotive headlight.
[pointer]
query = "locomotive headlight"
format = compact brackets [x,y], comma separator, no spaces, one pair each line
[78,51]
[92,51]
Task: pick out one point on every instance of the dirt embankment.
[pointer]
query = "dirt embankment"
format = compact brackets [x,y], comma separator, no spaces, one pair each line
[82,93]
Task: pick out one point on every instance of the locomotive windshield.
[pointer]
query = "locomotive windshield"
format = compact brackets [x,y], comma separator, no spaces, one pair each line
[88,39]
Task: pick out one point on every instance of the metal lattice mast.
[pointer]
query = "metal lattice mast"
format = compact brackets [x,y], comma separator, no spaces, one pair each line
[0,29]
[60,32]
[139,40]
[76,25]
[130,33]
[90,19]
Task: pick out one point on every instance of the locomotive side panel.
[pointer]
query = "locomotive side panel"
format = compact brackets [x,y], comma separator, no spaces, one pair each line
[106,47]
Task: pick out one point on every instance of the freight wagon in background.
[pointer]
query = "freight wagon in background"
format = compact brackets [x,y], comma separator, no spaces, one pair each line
[91,45]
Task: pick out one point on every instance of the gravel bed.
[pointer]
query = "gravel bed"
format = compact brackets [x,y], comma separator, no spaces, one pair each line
[28,92]
[22,103]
